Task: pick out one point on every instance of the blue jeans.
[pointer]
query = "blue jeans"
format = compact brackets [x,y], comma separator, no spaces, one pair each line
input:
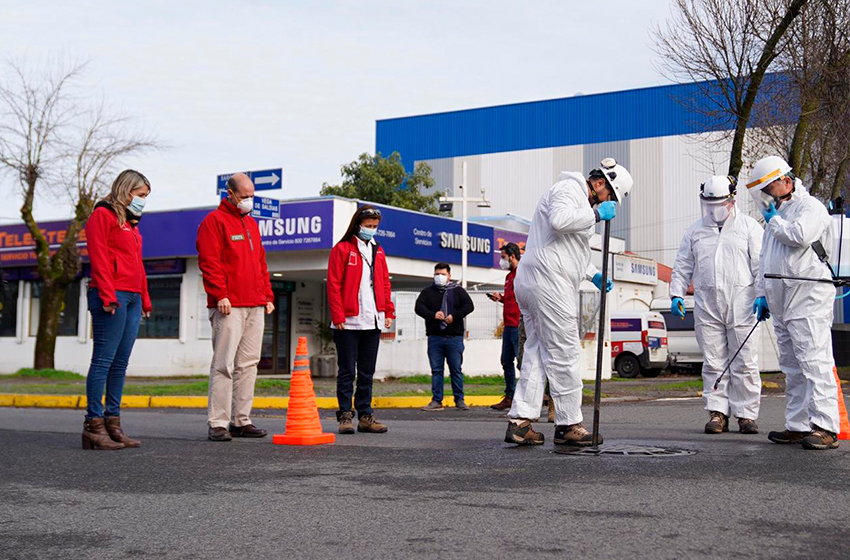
[442,349]
[114,336]
[510,352]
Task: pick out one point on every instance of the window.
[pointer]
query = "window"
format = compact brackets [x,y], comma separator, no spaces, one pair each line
[69,317]
[164,322]
[676,323]
[8,308]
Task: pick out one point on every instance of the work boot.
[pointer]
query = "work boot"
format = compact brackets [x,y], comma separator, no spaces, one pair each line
[719,423]
[248,431]
[433,406]
[346,422]
[787,436]
[369,425]
[820,439]
[504,404]
[747,426]
[218,434]
[550,416]
[461,405]
[113,428]
[95,436]
[574,434]
[523,434]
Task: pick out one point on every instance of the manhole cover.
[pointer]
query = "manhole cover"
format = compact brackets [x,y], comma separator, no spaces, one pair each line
[625,450]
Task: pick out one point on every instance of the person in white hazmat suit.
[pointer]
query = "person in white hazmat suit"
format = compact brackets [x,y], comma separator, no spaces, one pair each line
[556,260]
[719,253]
[802,310]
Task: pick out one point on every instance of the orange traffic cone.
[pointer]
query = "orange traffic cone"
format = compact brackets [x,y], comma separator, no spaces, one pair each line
[302,417]
[844,423]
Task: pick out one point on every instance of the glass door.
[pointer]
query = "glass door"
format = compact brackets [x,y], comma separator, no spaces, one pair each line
[274,359]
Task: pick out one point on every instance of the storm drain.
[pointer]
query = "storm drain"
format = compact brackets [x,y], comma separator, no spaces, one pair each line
[626,450]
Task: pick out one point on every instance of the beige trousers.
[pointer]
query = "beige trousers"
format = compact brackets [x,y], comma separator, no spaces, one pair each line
[237,341]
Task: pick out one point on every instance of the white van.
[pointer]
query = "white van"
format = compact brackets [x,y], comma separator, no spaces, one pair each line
[638,343]
[681,338]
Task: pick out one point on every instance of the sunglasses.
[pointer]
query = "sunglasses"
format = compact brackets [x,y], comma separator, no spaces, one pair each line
[371,213]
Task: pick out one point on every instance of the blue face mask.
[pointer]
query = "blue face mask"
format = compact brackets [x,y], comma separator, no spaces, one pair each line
[366,234]
[136,206]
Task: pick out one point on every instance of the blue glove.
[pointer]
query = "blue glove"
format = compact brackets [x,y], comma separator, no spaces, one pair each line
[607,210]
[677,308]
[760,309]
[597,281]
[770,213]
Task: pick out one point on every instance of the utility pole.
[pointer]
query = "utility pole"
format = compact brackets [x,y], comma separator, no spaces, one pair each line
[463,199]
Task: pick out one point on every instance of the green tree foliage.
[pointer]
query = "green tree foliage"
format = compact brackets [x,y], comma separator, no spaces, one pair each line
[384,181]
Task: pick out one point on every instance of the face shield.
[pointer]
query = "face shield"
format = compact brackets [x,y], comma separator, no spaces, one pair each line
[717,211]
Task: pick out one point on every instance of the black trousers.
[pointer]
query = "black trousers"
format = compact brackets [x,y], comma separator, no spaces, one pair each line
[357,352]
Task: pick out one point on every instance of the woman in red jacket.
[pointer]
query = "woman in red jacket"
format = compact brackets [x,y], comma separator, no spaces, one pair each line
[361,305]
[118,297]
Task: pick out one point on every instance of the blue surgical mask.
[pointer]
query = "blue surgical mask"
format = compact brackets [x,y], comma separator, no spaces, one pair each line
[366,234]
[136,206]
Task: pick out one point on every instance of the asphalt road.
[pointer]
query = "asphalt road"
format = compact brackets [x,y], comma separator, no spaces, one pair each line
[437,485]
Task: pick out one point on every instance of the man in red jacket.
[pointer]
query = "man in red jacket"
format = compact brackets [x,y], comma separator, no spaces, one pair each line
[236,279]
[510,334]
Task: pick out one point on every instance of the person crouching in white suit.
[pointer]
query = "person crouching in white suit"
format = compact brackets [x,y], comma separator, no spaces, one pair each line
[556,260]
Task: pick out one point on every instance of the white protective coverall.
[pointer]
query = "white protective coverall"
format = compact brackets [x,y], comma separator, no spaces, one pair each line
[802,311]
[556,260]
[723,264]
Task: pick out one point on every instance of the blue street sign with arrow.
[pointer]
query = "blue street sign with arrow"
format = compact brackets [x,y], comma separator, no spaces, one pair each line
[265,180]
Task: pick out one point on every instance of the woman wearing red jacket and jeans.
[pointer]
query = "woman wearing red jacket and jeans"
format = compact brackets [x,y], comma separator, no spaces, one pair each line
[118,297]
[359,297]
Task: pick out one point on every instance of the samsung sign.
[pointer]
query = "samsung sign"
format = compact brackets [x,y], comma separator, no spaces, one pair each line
[432,238]
[628,268]
[473,244]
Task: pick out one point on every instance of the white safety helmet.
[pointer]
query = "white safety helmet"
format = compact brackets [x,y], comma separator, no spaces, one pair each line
[617,177]
[764,172]
[717,197]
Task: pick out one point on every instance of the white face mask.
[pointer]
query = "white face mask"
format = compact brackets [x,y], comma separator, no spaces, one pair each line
[246,205]
[719,214]
[441,279]
[504,264]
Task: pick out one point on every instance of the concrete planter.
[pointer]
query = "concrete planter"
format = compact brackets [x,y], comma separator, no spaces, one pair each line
[323,365]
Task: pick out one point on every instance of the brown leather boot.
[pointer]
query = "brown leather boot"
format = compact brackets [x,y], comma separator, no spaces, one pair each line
[504,404]
[113,428]
[369,425]
[95,436]
[550,417]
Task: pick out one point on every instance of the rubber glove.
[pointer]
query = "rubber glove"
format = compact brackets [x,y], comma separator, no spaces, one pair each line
[677,308]
[597,281]
[607,210]
[760,309]
[770,213]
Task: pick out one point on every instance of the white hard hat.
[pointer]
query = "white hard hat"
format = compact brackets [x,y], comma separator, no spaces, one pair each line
[718,188]
[766,170]
[617,177]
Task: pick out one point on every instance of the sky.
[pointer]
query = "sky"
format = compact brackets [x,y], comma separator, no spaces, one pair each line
[243,85]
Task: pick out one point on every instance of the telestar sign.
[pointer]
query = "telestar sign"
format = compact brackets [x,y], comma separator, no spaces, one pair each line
[265,180]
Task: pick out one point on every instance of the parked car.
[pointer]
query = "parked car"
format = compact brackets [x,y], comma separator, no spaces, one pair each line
[682,343]
[638,343]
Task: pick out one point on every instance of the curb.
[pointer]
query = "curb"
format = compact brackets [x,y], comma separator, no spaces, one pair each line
[141,401]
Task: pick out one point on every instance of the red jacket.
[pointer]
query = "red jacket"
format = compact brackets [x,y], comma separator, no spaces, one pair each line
[232,259]
[115,253]
[509,299]
[345,269]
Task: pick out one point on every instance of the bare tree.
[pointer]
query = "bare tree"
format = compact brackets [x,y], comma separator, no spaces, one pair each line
[51,142]
[727,47]
[809,118]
